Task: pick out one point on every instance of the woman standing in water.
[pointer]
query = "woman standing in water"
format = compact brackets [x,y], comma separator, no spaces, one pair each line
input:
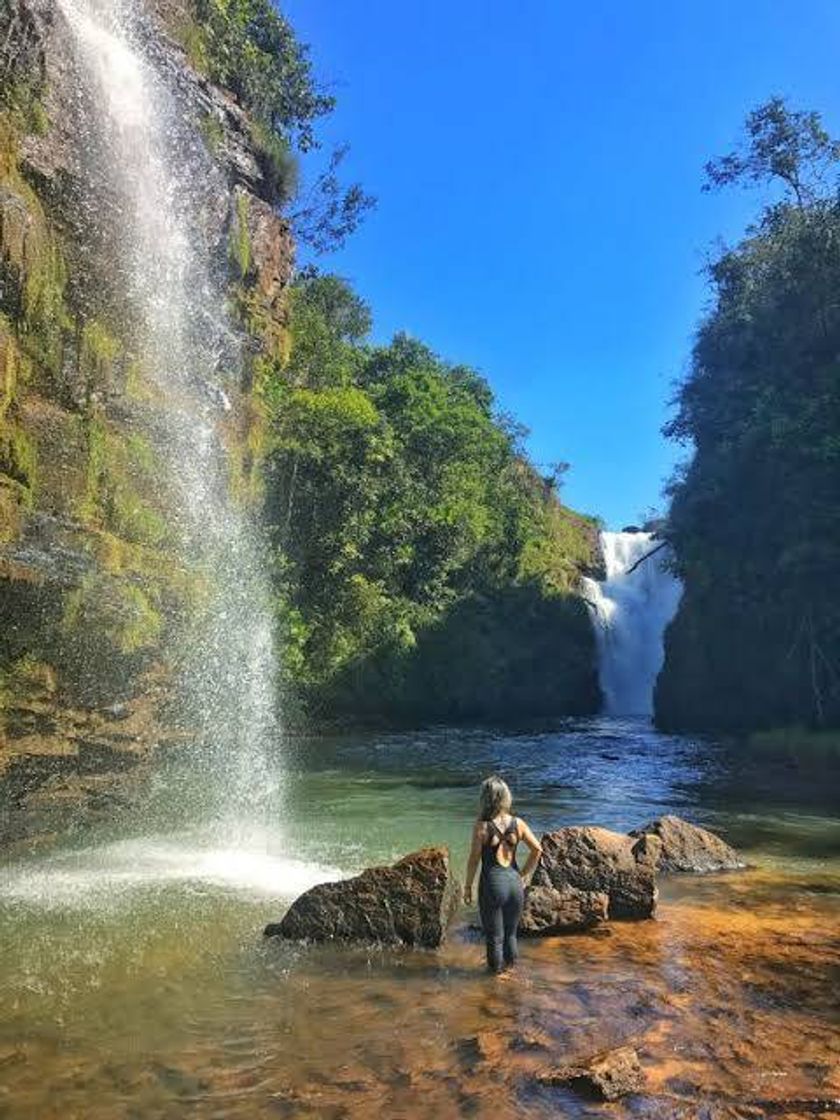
[496,837]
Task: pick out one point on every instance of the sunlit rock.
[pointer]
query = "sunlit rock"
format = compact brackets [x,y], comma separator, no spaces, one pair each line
[410,903]
[606,1076]
[687,847]
[598,861]
[550,910]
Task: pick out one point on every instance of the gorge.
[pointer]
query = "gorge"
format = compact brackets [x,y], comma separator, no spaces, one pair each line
[275,595]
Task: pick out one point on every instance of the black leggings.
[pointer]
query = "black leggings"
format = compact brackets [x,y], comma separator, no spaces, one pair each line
[500,900]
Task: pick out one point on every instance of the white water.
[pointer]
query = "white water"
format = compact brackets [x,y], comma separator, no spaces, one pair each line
[632,612]
[159,174]
[112,874]
[145,167]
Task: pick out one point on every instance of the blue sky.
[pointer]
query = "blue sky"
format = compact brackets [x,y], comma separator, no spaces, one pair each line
[538,169]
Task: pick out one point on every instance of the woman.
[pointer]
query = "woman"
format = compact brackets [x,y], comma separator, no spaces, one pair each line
[496,837]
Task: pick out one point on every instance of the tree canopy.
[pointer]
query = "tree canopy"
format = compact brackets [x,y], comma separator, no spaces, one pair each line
[395,498]
[755,514]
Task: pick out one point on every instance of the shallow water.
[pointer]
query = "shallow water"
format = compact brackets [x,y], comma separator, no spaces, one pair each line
[134,981]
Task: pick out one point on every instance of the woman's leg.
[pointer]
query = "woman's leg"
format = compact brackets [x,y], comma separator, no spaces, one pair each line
[511,913]
[490,908]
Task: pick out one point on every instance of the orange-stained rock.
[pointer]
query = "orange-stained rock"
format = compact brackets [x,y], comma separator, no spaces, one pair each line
[602,862]
[409,903]
[608,1076]
[550,910]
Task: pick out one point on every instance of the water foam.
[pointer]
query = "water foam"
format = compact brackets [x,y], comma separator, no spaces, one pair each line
[112,875]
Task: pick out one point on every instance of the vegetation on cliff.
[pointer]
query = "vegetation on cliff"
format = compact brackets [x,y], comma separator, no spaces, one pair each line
[755,514]
[248,47]
[423,567]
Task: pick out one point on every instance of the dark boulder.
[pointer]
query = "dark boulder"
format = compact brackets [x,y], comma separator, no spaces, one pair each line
[606,1076]
[687,847]
[598,861]
[409,903]
[550,910]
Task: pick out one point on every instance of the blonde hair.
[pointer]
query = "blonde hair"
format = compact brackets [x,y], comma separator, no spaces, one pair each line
[495,798]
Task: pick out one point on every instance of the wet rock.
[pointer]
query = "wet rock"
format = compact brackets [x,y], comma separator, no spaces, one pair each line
[565,909]
[600,862]
[687,847]
[409,903]
[607,1076]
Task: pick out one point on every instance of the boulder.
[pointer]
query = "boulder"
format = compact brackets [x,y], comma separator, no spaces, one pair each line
[607,1076]
[601,862]
[687,847]
[550,910]
[409,903]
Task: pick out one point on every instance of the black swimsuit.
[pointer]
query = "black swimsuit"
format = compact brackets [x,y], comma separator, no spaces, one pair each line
[500,896]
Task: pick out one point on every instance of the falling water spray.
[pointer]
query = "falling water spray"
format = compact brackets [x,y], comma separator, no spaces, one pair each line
[633,605]
[156,168]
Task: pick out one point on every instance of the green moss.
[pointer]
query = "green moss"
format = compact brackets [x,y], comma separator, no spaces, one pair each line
[22,98]
[279,165]
[119,470]
[97,354]
[211,129]
[26,678]
[193,38]
[239,239]
[113,610]
[34,269]
[18,457]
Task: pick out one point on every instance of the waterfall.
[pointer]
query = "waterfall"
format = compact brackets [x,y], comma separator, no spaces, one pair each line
[632,611]
[156,171]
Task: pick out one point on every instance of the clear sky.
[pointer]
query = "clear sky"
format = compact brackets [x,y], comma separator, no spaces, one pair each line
[538,169]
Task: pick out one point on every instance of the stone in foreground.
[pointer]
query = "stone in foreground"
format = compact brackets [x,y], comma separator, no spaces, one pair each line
[607,1076]
[409,903]
[598,861]
[687,847]
[552,910]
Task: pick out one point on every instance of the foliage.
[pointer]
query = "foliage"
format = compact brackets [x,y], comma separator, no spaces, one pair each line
[331,212]
[782,144]
[407,526]
[755,515]
[250,48]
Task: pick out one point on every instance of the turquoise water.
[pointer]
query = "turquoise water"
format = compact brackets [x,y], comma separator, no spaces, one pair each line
[134,980]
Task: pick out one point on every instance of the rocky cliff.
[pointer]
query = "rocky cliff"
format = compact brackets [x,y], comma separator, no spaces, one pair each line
[93,594]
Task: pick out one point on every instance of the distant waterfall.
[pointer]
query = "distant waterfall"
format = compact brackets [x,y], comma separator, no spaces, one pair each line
[151,161]
[632,613]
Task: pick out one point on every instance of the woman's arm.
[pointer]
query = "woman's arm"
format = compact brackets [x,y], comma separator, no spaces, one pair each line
[527,837]
[473,861]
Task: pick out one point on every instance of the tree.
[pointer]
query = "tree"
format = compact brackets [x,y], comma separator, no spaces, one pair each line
[331,211]
[780,144]
[754,519]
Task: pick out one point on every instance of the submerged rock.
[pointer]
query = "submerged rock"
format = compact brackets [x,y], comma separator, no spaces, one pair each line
[410,903]
[601,862]
[687,847]
[608,1076]
[549,910]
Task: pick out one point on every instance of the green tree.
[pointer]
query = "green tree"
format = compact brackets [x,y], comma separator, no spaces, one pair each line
[402,507]
[755,513]
[780,144]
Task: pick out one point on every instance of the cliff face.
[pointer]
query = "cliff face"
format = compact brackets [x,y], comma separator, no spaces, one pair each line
[92,590]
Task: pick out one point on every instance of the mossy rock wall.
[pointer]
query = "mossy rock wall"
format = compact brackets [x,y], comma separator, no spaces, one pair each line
[93,590]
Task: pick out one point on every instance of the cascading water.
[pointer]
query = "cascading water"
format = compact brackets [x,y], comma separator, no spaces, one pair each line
[155,167]
[632,608]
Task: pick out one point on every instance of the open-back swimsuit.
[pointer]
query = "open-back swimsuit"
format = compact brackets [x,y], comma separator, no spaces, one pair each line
[500,894]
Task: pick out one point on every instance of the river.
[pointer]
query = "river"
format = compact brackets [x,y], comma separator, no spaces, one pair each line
[134,981]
